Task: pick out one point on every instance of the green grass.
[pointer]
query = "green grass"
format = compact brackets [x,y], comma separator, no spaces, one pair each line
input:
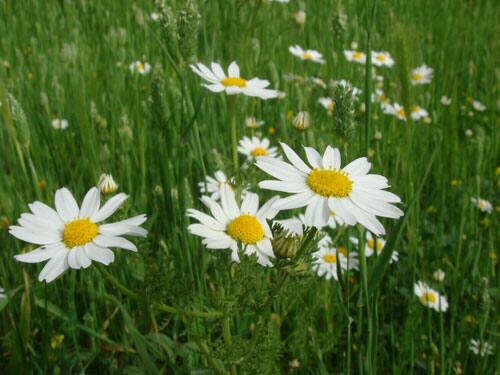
[175,307]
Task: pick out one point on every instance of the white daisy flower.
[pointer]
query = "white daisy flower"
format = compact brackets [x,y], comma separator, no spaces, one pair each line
[355,56]
[429,297]
[421,75]
[140,67]
[370,246]
[445,100]
[353,194]
[60,124]
[107,184]
[482,204]
[478,106]
[325,262]
[253,147]
[327,103]
[231,225]
[213,185]
[306,55]
[382,59]
[301,121]
[232,83]
[418,112]
[252,123]
[2,293]
[481,348]
[439,275]
[395,110]
[70,237]
[154,16]
[350,258]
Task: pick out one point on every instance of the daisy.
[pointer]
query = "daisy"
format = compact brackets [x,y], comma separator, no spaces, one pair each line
[154,16]
[325,262]
[395,110]
[350,258]
[70,237]
[445,100]
[478,106]
[421,75]
[382,59]
[328,103]
[60,124]
[231,225]
[353,194]
[306,55]
[232,83]
[429,297]
[355,56]
[107,184]
[140,67]
[2,293]
[254,147]
[301,121]
[482,204]
[252,123]
[481,348]
[370,246]
[213,185]
[418,112]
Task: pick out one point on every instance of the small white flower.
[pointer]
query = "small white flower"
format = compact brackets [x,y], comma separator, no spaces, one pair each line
[253,147]
[60,124]
[481,348]
[70,236]
[418,112]
[445,100]
[327,103]
[232,83]
[231,225]
[140,67]
[213,186]
[107,184]
[349,258]
[307,55]
[469,132]
[300,17]
[482,204]
[429,297]
[154,16]
[382,59]
[252,123]
[355,56]
[478,106]
[439,275]
[395,110]
[372,242]
[421,75]
[325,262]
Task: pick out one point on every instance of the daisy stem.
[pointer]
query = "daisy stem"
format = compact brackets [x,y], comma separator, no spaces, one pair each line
[234,137]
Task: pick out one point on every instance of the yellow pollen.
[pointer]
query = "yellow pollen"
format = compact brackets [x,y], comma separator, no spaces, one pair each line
[342,250]
[357,55]
[417,77]
[330,258]
[79,232]
[258,151]
[307,56]
[234,81]
[428,298]
[329,183]
[245,228]
[371,245]
[380,57]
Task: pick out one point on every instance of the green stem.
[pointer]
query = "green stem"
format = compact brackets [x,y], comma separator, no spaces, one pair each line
[226,333]
[234,135]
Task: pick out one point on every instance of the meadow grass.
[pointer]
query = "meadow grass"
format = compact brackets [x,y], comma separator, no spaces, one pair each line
[177,307]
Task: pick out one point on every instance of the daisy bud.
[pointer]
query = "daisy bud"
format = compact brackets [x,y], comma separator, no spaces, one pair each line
[439,275]
[300,17]
[302,121]
[285,244]
[107,184]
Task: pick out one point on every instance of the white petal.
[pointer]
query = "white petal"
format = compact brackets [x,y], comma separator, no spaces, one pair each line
[47,213]
[269,210]
[205,219]
[205,231]
[41,254]
[90,203]
[37,238]
[313,157]
[228,201]
[66,206]
[295,159]
[73,259]
[294,201]
[111,241]
[250,204]
[109,208]
[233,70]
[317,212]
[83,259]
[218,72]
[99,254]
[284,186]
[279,169]
[54,267]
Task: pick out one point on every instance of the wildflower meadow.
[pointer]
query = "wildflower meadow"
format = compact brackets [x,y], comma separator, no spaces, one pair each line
[249,187]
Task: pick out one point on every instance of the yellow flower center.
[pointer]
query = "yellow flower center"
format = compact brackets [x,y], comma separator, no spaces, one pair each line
[258,151]
[357,55]
[245,228]
[79,232]
[371,245]
[415,109]
[234,81]
[343,250]
[482,204]
[331,106]
[428,298]
[139,66]
[380,57]
[401,112]
[417,77]
[329,183]
[330,258]
[307,56]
